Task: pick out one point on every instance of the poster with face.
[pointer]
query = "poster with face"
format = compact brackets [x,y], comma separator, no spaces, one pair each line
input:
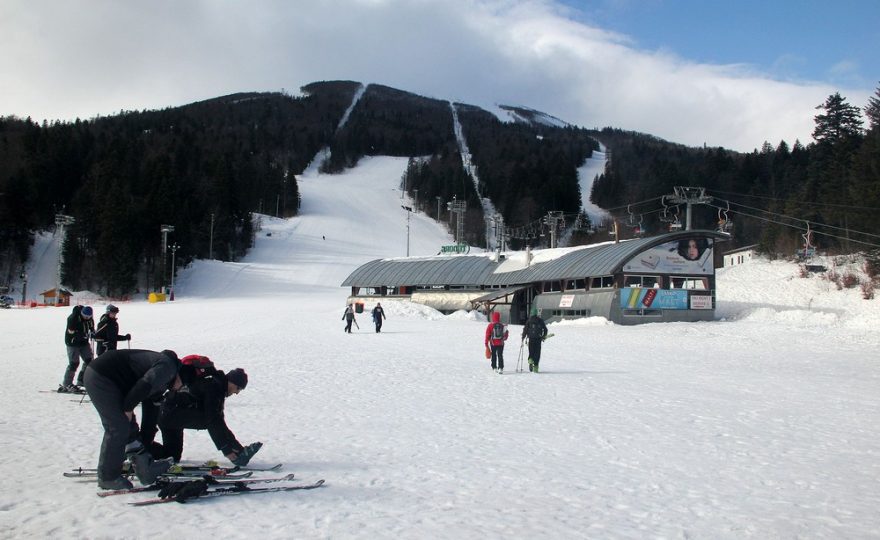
[691,256]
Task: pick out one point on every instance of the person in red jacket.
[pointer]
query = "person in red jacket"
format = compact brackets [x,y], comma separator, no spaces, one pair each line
[496,335]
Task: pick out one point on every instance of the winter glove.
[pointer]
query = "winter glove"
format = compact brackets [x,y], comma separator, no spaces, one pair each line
[183,491]
[246,453]
[127,337]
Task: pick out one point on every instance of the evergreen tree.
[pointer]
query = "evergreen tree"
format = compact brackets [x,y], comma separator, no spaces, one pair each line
[840,121]
[872,110]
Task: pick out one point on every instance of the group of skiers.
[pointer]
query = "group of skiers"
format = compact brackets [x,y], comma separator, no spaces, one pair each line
[378,316]
[78,335]
[535,330]
[174,395]
[534,333]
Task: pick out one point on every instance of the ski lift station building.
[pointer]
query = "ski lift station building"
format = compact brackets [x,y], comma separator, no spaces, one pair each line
[657,279]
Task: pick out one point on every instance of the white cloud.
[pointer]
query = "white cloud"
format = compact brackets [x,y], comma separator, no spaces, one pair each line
[81,62]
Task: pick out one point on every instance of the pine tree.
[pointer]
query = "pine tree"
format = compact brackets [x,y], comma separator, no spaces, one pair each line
[840,122]
[872,110]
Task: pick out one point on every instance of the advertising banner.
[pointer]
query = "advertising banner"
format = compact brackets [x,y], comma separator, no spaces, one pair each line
[641,298]
[690,256]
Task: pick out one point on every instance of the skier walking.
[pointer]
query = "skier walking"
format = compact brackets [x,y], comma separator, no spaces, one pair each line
[108,331]
[536,330]
[496,335]
[348,317]
[378,315]
[80,328]
[198,404]
[116,382]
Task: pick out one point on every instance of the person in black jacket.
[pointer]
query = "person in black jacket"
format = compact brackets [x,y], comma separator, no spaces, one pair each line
[536,330]
[116,382]
[199,404]
[378,315]
[108,331]
[80,328]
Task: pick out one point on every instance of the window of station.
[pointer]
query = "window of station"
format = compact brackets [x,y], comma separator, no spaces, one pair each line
[602,282]
[647,282]
[575,284]
[569,313]
[693,283]
[552,286]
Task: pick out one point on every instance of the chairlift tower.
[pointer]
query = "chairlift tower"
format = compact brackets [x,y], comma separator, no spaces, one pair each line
[165,229]
[408,214]
[458,208]
[61,220]
[689,196]
[552,220]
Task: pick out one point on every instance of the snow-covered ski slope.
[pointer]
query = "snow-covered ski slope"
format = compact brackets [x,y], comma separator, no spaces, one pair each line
[762,424]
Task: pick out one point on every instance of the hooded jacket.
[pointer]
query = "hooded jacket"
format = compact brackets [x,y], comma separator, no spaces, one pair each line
[496,319]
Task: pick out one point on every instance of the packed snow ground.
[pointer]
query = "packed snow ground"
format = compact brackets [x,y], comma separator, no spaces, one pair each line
[761,424]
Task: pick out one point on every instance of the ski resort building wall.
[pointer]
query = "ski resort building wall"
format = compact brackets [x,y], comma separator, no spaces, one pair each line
[658,279]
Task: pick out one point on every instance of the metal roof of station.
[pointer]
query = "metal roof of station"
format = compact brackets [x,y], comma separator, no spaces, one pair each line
[485,269]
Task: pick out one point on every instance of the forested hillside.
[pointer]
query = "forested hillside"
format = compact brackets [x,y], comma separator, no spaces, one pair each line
[204,168]
[769,195]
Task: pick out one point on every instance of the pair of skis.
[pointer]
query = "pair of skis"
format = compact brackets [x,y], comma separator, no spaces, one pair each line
[236,488]
[158,485]
[196,471]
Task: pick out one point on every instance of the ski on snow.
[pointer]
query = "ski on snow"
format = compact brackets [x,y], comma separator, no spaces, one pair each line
[225,474]
[234,490]
[156,487]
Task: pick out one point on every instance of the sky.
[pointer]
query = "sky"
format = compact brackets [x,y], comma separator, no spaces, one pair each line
[732,74]
[759,424]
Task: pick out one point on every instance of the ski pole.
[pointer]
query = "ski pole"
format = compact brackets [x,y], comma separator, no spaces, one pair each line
[520,357]
[356,324]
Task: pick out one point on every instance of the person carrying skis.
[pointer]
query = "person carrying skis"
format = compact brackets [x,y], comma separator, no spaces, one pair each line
[198,404]
[80,328]
[496,335]
[108,331]
[378,315]
[116,382]
[348,317]
[536,330]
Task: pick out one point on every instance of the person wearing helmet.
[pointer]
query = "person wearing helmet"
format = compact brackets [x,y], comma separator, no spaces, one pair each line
[199,404]
[108,331]
[80,328]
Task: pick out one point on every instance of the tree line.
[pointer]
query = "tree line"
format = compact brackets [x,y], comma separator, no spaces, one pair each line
[204,168]
[831,184]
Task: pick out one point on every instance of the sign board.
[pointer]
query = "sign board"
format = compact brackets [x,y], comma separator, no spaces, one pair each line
[703,301]
[566,300]
[688,256]
[455,248]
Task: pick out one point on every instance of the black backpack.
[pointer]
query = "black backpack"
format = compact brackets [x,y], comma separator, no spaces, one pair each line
[534,331]
[498,331]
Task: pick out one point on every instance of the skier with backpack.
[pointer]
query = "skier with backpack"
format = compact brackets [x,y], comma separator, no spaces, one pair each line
[496,335]
[536,330]
[108,331]
[80,329]
[198,404]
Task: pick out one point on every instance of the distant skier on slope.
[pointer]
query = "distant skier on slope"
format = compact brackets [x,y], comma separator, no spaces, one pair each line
[496,335]
[378,315]
[348,317]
